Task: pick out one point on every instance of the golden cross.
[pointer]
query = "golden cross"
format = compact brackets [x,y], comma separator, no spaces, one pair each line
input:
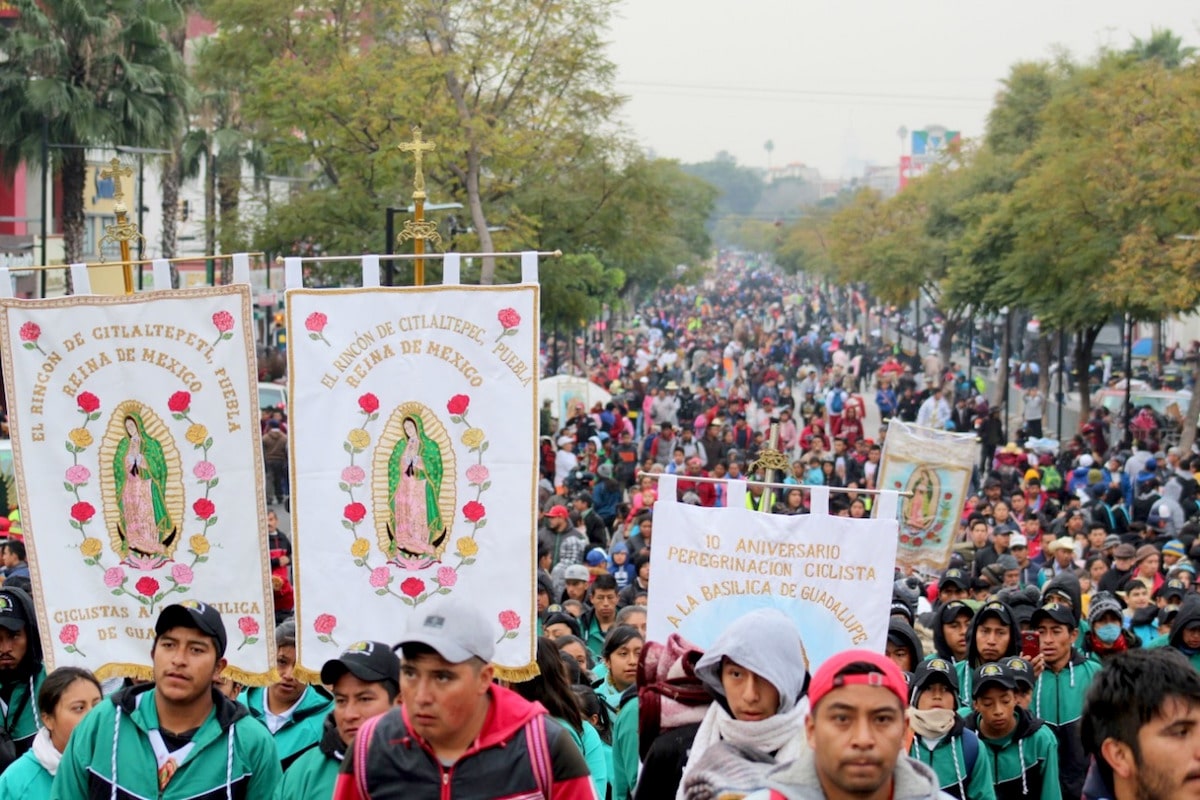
[115,171]
[418,147]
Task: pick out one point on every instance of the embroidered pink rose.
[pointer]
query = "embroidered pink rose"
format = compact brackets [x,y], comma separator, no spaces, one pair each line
[223,322]
[182,574]
[353,475]
[69,634]
[447,577]
[477,474]
[380,577]
[509,320]
[249,626]
[510,621]
[205,470]
[324,624]
[315,324]
[114,577]
[78,475]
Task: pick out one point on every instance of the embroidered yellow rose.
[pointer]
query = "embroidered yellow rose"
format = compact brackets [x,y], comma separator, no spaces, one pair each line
[360,548]
[472,437]
[80,437]
[196,433]
[199,544]
[90,547]
[466,547]
[359,438]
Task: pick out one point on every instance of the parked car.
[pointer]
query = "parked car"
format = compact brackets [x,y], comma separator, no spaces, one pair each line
[272,395]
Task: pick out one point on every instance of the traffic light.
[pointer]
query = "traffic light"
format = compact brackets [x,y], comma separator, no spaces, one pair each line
[279,319]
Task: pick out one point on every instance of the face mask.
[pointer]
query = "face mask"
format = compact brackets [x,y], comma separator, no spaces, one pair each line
[1108,632]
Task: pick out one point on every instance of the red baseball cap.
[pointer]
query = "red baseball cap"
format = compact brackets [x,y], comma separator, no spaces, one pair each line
[830,677]
[558,511]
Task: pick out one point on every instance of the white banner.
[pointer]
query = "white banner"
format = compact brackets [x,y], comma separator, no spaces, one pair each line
[414,464]
[139,471]
[831,575]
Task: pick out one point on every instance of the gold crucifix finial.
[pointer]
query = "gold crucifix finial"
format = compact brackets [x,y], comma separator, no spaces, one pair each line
[115,171]
[418,147]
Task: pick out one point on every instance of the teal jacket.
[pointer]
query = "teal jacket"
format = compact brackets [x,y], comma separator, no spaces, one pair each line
[1024,763]
[209,771]
[25,722]
[25,779]
[948,760]
[314,773]
[300,732]
[592,747]
[625,756]
[1058,699]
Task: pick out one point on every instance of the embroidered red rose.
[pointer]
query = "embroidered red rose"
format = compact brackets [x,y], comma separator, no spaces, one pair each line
[510,620]
[179,402]
[316,322]
[249,626]
[474,511]
[30,332]
[69,634]
[146,586]
[87,402]
[223,321]
[458,404]
[324,624]
[509,318]
[412,587]
[369,403]
[354,512]
[82,511]
[204,508]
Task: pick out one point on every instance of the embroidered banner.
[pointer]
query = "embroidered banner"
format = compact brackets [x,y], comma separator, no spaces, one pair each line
[414,432]
[139,471]
[711,566]
[934,467]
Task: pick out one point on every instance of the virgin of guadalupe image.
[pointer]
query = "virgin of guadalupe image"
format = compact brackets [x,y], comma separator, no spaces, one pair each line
[920,509]
[415,485]
[139,461]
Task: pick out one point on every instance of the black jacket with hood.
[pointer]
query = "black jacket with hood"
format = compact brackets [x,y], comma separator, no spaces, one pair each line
[1067,583]
[993,609]
[899,629]
[939,638]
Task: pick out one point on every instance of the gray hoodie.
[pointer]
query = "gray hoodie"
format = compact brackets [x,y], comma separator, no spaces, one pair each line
[798,781]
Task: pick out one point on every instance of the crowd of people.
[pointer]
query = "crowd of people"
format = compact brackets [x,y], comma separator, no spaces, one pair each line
[1055,656]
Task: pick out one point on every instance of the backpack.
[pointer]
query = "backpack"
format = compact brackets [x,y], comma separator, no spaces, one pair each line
[537,743]
[1051,478]
[837,402]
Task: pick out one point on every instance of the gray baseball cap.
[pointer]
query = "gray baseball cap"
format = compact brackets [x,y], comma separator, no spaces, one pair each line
[458,632]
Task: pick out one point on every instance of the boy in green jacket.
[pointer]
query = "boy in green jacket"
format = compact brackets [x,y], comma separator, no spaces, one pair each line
[941,739]
[366,682]
[178,738]
[293,711]
[21,670]
[1023,751]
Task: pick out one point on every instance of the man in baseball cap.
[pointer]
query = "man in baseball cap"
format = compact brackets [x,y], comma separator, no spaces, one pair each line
[365,680]
[1023,751]
[856,732]
[458,731]
[181,721]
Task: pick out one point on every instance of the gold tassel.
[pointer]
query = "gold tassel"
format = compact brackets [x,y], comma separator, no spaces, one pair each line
[251,678]
[306,675]
[138,672]
[518,674]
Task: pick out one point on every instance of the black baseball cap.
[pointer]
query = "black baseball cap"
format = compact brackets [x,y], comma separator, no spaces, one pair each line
[194,614]
[993,674]
[929,671]
[1172,588]
[954,576]
[373,662]
[1019,669]
[1056,611]
[997,609]
[952,610]
[12,613]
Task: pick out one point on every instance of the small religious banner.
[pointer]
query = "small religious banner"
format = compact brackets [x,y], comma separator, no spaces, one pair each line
[139,471]
[413,434]
[933,469]
[712,566]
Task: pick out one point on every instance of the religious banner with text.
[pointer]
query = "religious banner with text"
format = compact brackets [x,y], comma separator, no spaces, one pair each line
[933,469]
[413,427]
[711,566]
[139,471]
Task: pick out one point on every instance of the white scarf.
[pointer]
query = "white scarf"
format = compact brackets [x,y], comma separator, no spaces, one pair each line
[45,752]
[782,734]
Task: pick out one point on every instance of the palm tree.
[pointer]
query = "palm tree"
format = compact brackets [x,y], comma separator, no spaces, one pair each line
[96,73]
[1163,46]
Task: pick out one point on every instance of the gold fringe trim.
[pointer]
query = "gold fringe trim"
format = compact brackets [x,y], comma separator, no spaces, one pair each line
[141,672]
[306,675]
[517,674]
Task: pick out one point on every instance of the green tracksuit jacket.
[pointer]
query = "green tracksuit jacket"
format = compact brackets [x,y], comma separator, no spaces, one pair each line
[1024,763]
[210,771]
[1058,699]
[948,760]
[25,779]
[625,751]
[300,732]
[314,773]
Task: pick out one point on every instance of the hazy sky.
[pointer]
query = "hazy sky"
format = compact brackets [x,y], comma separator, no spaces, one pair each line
[831,81]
